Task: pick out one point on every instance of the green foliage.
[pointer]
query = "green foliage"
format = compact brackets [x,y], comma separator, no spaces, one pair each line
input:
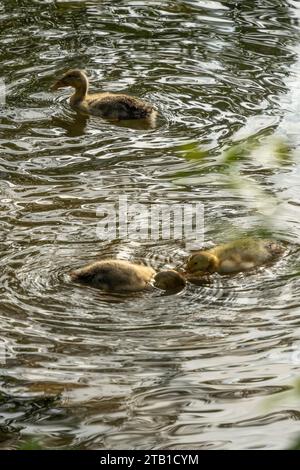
[272,152]
[192,151]
[283,152]
[265,155]
[291,395]
[30,444]
[237,153]
[295,445]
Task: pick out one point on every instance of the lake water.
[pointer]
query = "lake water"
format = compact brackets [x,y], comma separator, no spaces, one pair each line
[194,370]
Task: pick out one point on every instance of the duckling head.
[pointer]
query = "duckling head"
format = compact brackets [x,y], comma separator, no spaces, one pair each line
[75,78]
[169,280]
[203,262]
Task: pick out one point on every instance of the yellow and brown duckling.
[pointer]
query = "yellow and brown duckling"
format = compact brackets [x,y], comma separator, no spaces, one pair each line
[114,106]
[122,276]
[114,275]
[237,256]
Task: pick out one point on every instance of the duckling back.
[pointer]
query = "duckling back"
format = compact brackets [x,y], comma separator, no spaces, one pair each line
[245,254]
[118,106]
[114,275]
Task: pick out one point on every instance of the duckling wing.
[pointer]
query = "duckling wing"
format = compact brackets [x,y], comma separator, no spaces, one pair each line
[246,254]
[115,106]
[114,275]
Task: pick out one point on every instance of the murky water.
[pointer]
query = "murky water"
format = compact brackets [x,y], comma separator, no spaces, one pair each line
[80,369]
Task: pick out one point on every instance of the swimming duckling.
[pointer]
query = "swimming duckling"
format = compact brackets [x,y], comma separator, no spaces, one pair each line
[237,256]
[114,275]
[113,106]
[169,280]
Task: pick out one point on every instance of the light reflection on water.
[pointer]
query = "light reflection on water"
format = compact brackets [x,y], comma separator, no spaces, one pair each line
[146,370]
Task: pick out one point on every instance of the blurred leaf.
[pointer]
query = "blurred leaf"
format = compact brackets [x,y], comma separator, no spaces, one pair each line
[30,444]
[237,153]
[296,445]
[271,151]
[283,153]
[292,392]
[192,151]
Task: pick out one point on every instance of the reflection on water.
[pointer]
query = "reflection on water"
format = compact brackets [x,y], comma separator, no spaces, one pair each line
[81,369]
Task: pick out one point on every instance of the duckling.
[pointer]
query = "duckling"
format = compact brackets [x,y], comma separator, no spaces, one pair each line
[114,275]
[237,256]
[169,280]
[112,106]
